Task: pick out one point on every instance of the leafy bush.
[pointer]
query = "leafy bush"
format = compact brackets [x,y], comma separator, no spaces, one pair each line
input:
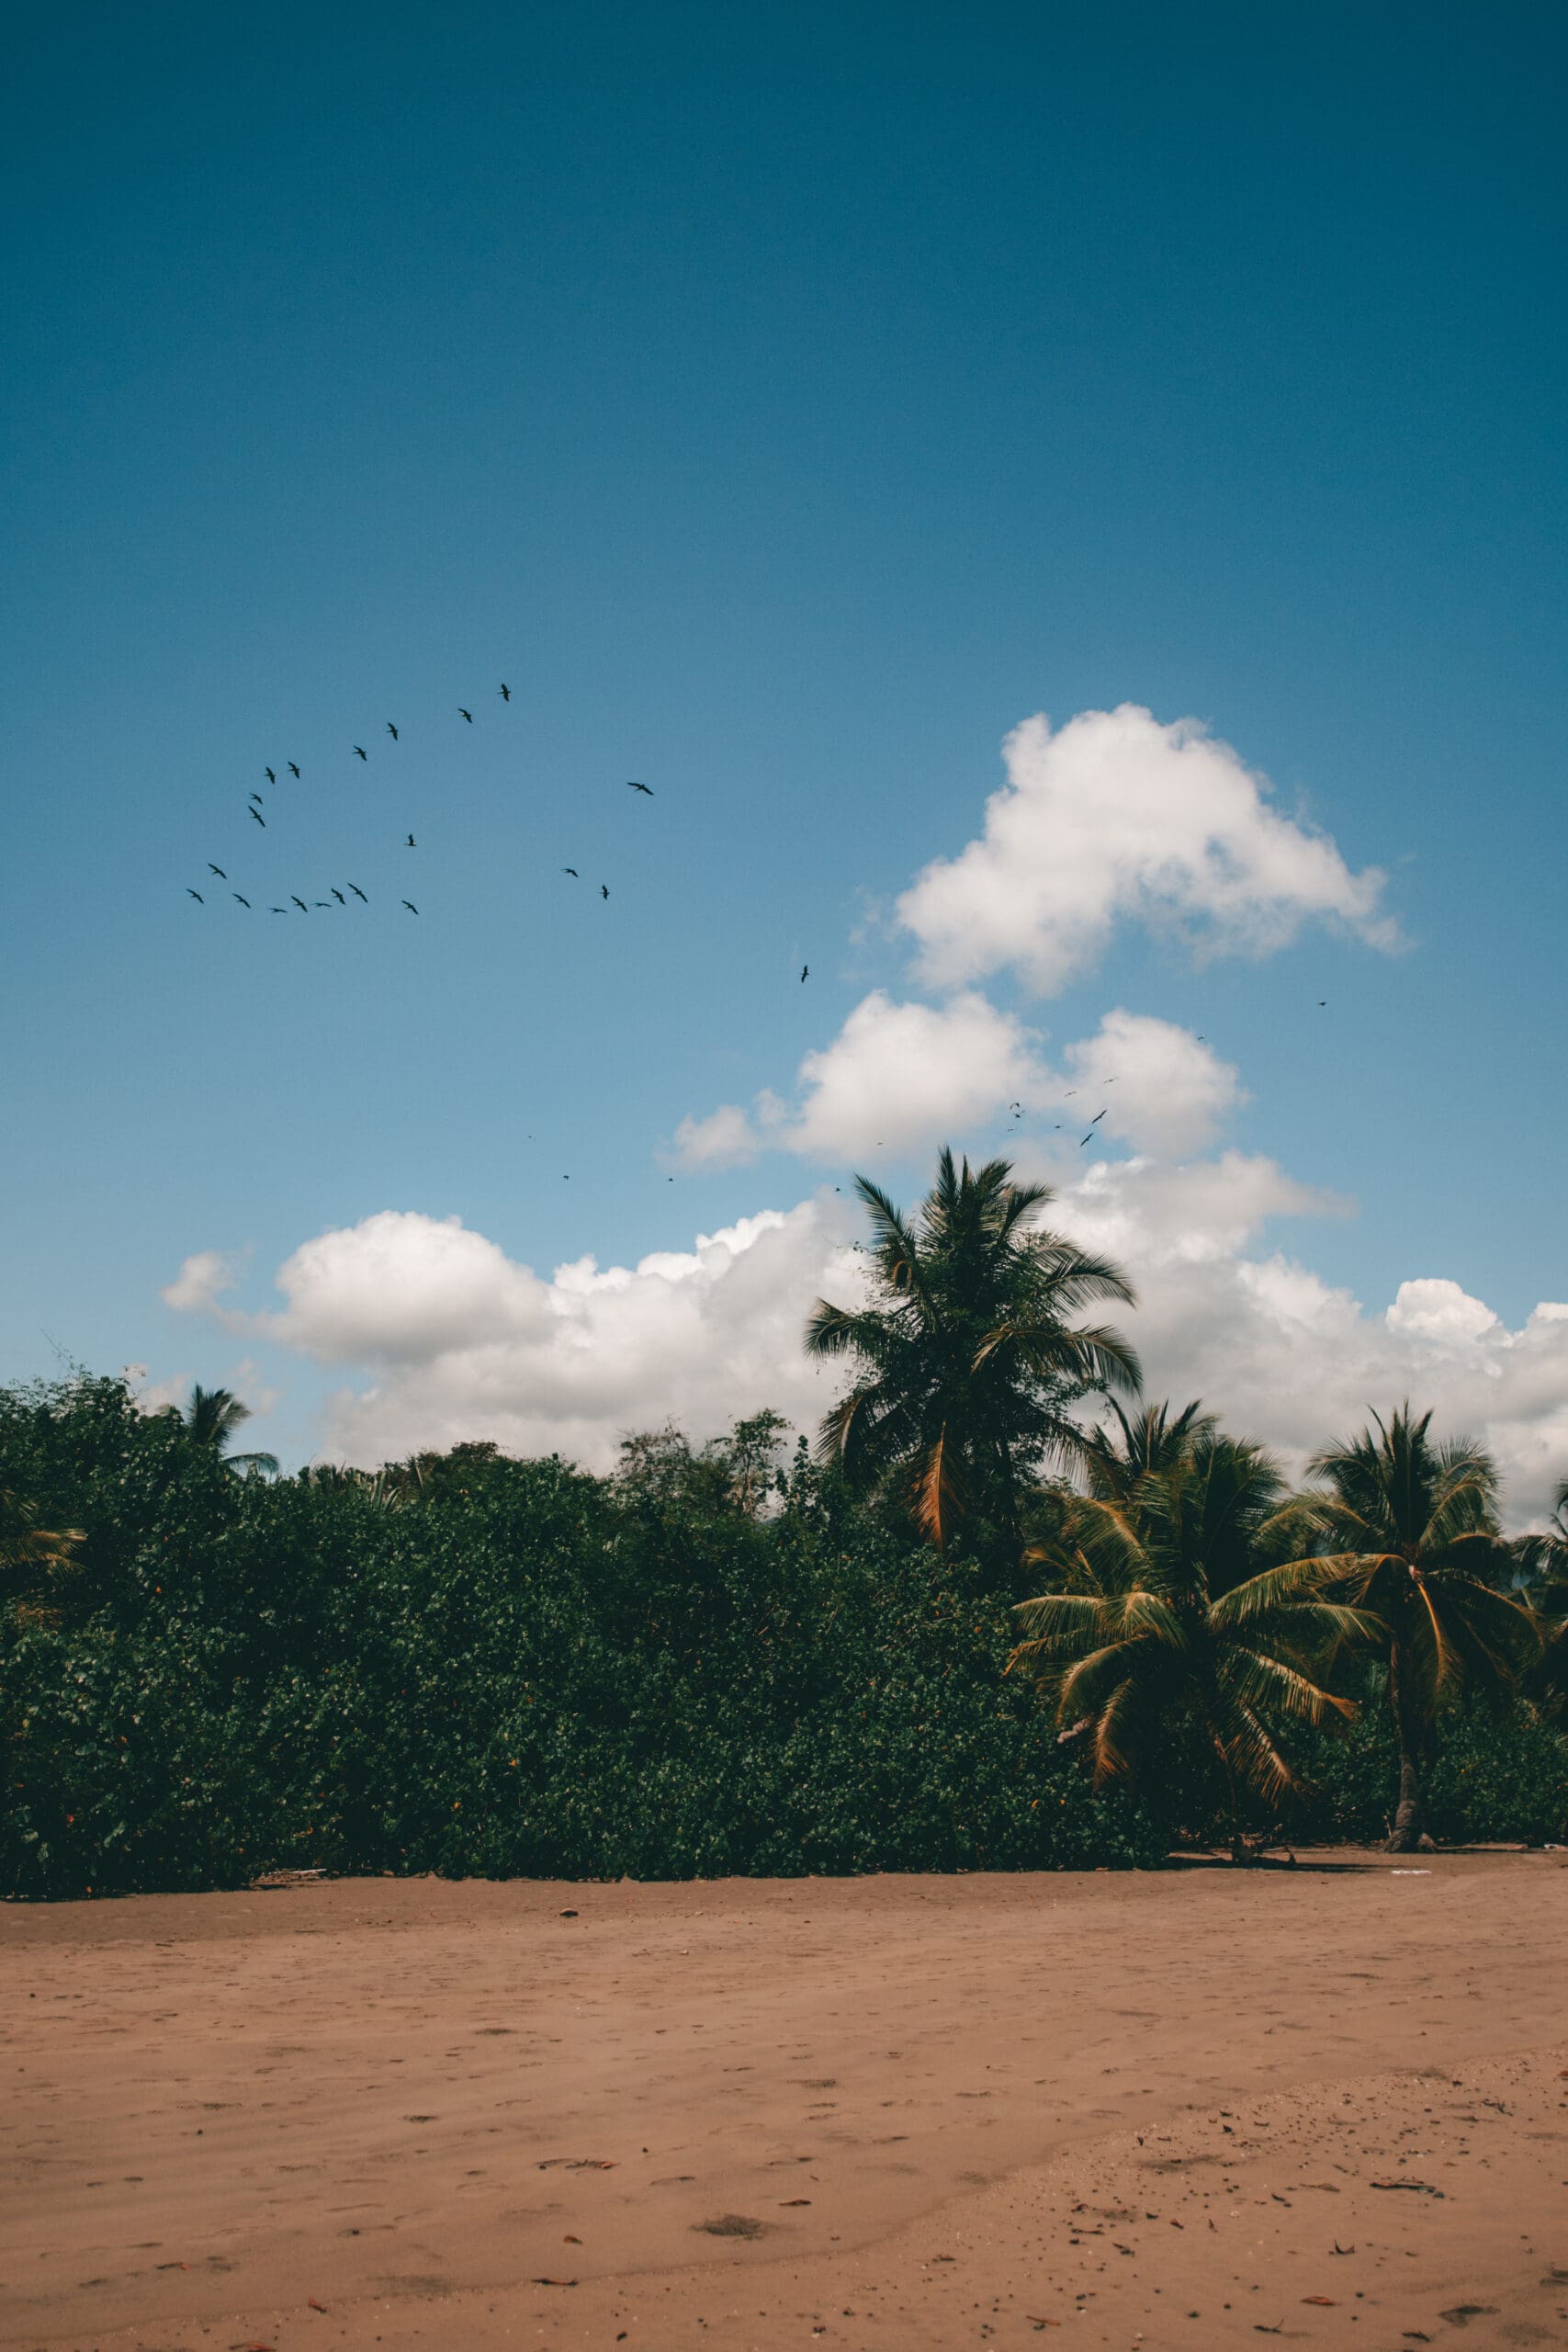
[503,1667]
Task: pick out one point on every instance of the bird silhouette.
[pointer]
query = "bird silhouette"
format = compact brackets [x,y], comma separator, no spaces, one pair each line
[244,902]
[301,904]
[648,788]
[195,894]
[573,872]
[1089,1138]
[1097,1118]
[506,690]
[358,892]
[412,908]
[360,751]
[293,771]
[338,895]
[270,778]
[279,910]
[464,714]
[256,796]
[259,818]
[604,890]
[391,731]
[326,902]
[805,974]
[411,840]
[218,870]
[1321,1002]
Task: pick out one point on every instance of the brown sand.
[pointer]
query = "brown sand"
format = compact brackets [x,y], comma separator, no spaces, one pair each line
[1187,2110]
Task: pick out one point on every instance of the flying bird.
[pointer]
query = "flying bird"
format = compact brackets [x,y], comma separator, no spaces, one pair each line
[358,892]
[270,778]
[1097,1118]
[255,796]
[506,690]
[412,908]
[218,870]
[641,788]
[259,818]
[244,902]
[573,872]
[604,890]
[391,731]
[326,902]
[280,910]
[301,904]
[361,752]
[1089,1138]
[1322,1001]
[195,894]
[805,974]
[464,714]
[411,840]
[293,771]
[338,895]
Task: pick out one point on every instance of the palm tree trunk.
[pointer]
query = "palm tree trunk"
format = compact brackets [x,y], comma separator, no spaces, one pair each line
[1410,1816]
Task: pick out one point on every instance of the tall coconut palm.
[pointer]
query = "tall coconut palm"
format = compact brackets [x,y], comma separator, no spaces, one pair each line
[1164,1617]
[1408,1531]
[967,1359]
[213,1418]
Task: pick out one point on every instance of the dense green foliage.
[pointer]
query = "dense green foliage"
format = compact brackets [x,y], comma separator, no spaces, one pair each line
[484,1666]
[706,1666]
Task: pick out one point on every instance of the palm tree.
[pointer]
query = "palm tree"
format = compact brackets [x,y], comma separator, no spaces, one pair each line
[1541,1568]
[968,1363]
[31,1556]
[1165,1617]
[1408,1531]
[1115,1459]
[212,1417]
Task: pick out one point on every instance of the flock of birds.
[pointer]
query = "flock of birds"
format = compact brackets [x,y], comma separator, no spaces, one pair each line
[256,805]
[337,897]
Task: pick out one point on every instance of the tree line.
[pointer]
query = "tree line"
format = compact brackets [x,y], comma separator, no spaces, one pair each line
[1006,1614]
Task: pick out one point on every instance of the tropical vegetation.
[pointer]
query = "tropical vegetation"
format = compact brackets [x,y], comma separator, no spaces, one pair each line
[1009,1615]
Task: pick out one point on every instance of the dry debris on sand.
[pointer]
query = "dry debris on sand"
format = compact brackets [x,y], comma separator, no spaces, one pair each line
[1196,2108]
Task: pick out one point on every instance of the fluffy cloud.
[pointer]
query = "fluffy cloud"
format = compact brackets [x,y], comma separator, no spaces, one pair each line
[459,1340]
[1115,818]
[902,1076]
[1165,1089]
[905,1077]
[200,1283]
[908,1076]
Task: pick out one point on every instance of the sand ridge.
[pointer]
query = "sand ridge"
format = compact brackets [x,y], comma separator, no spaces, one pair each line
[407,2101]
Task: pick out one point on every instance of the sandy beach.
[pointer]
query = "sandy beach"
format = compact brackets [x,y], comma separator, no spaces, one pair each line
[1187,2108]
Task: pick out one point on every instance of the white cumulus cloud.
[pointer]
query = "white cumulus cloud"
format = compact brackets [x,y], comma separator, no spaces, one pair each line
[1165,1090]
[456,1339]
[904,1075]
[203,1278]
[1117,817]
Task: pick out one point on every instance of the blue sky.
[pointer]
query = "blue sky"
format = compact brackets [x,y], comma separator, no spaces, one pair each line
[787,405]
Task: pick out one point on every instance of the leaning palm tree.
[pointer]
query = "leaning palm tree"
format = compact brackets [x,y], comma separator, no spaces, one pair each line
[1164,1618]
[967,1361]
[212,1417]
[1408,1531]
